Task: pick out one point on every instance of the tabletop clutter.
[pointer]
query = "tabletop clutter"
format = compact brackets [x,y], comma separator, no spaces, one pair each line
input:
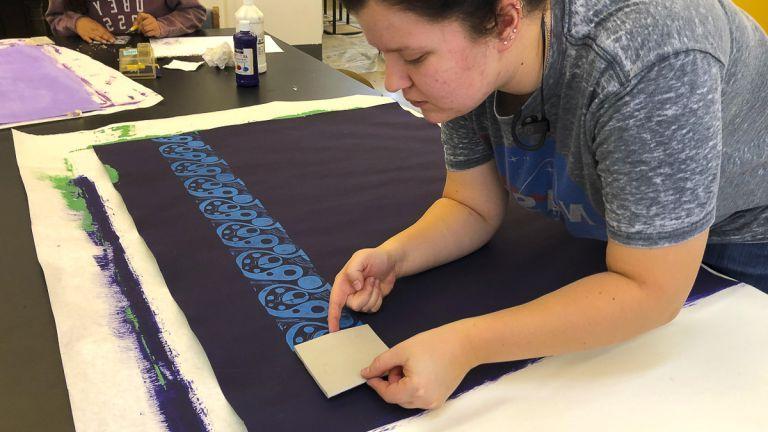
[245,51]
[249,55]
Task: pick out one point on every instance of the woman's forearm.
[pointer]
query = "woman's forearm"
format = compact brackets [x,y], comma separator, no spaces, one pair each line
[595,311]
[448,230]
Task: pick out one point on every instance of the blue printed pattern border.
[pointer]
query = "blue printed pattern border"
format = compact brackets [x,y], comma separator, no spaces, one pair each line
[279,272]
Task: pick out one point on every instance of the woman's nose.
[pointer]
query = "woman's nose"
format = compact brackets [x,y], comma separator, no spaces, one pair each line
[396,77]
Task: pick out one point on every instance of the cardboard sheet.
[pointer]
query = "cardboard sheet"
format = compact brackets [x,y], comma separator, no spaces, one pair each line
[335,360]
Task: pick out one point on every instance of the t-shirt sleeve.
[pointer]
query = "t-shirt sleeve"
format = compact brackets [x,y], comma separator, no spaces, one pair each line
[187,16]
[658,148]
[61,19]
[464,148]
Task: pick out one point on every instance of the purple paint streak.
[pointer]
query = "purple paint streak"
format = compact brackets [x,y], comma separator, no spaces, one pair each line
[176,401]
[34,86]
[105,101]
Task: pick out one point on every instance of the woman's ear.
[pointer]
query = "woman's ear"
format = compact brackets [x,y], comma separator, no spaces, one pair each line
[508,16]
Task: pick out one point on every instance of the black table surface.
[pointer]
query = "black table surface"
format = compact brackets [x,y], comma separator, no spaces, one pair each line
[33,393]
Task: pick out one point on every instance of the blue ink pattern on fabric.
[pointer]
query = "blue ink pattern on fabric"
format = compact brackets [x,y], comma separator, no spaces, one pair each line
[280,273]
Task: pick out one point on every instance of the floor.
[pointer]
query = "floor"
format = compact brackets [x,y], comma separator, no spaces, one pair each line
[353,53]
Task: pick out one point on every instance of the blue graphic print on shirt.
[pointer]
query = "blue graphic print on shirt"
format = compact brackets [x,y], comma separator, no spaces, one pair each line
[538,180]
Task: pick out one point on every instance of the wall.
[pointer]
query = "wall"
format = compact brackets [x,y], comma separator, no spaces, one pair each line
[757,8]
[297,22]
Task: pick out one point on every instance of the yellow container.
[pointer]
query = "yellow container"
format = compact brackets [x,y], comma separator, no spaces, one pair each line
[138,62]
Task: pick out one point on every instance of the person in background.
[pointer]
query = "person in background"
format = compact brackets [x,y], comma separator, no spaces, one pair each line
[100,20]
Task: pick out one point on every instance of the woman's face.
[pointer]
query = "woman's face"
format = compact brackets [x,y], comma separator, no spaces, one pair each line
[439,67]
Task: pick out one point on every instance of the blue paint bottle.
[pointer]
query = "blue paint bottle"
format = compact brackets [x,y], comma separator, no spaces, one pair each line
[246,62]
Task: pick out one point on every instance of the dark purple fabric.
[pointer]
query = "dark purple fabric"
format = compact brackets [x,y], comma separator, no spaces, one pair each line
[34,86]
[336,182]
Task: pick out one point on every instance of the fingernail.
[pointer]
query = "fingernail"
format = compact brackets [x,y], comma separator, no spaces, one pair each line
[364,371]
[356,284]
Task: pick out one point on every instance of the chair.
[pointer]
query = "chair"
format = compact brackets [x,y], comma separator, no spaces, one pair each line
[341,15]
[356,76]
[212,18]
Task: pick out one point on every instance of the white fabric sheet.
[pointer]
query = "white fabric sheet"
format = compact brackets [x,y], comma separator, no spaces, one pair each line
[196,45]
[705,371]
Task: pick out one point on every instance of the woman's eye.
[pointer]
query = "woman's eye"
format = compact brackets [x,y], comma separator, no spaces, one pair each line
[416,60]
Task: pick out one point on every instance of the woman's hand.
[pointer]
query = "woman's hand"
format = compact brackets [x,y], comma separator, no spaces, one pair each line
[90,31]
[424,370]
[148,25]
[362,284]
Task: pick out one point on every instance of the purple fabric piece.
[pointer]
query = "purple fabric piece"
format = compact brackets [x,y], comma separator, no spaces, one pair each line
[336,182]
[34,86]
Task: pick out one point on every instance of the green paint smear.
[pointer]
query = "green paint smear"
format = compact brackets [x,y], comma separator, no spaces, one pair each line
[159,374]
[124,131]
[114,176]
[304,114]
[132,317]
[146,348]
[120,140]
[72,195]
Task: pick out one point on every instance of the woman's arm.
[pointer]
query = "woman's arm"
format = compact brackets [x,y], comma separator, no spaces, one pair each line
[642,289]
[61,18]
[470,211]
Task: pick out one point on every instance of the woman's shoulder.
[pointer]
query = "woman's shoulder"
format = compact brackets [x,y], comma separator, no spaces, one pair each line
[636,34]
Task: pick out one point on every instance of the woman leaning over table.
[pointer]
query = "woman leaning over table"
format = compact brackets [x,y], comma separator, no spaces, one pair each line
[643,123]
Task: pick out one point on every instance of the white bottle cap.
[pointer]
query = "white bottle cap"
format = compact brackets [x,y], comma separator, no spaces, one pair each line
[248,2]
[244,25]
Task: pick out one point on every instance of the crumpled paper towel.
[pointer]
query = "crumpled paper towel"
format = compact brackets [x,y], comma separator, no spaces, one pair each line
[220,55]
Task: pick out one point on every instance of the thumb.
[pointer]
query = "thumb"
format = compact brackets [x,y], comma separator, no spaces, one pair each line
[384,363]
[355,269]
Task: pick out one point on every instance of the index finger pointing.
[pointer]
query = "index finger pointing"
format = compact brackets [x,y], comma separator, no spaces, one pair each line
[335,304]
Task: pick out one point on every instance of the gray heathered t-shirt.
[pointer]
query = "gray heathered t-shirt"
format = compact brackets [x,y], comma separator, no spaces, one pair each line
[658,114]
